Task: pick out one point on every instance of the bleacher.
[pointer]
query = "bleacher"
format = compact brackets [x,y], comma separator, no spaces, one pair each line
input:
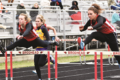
[54,17]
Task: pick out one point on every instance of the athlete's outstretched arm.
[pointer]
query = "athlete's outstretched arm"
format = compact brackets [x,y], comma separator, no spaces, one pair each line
[85,26]
[52,28]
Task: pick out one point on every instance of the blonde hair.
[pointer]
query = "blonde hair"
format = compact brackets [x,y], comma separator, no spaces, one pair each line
[26,17]
[37,5]
[96,8]
[41,18]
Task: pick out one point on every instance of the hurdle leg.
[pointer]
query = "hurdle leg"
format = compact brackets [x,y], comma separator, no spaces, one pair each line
[113,59]
[56,63]
[109,55]
[6,69]
[80,57]
[101,64]
[84,59]
[48,65]
[109,60]
[11,68]
[84,56]
[95,66]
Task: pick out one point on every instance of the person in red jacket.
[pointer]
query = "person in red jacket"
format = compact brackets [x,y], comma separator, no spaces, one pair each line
[105,31]
[28,36]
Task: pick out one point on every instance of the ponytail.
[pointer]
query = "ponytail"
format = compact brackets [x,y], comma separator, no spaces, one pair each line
[96,8]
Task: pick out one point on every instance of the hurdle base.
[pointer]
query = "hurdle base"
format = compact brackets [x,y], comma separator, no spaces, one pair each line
[6,78]
[11,78]
[48,78]
[56,79]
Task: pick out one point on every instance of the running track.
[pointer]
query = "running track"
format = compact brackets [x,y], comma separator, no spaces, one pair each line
[68,72]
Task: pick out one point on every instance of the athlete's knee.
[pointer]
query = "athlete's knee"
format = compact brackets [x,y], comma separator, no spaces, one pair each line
[41,64]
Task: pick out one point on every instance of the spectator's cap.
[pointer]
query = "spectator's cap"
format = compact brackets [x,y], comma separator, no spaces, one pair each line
[21,1]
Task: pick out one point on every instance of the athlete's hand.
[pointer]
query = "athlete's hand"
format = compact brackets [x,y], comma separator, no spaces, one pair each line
[81,28]
[90,28]
[19,37]
[57,39]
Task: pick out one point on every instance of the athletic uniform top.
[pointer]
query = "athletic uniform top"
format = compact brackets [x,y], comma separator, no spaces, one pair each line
[42,33]
[101,25]
[28,32]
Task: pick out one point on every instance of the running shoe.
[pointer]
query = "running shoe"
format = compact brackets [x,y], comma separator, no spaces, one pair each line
[34,71]
[54,43]
[52,60]
[80,43]
[118,64]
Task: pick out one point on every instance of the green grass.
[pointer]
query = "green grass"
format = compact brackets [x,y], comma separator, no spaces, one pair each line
[20,64]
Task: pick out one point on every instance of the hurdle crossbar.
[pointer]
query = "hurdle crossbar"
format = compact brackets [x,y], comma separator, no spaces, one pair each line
[66,52]
[73,39]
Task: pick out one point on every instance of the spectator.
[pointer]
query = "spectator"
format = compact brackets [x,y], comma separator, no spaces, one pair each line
[117,3]
[114,4]
[56,3]
[53,2]
[33,14]
[115,18]
[10,1]
[20,6]
[75,3]
[72,12]
[2,7]
[111,4]
[59,2]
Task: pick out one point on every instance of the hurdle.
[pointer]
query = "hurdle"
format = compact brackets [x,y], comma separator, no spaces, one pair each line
[49,76]
[60,52]
[11,68]
[56,63]
[81,58]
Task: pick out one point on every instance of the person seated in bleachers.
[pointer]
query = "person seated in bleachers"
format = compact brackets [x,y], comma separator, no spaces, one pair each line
[117,3]
[116,18]
[59,3]
[2,7]
[10,1]
[72,12]
[56,3]
[20,6]
[75,3]
[114,4]
[111,4]
[33,14]
[53,3]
